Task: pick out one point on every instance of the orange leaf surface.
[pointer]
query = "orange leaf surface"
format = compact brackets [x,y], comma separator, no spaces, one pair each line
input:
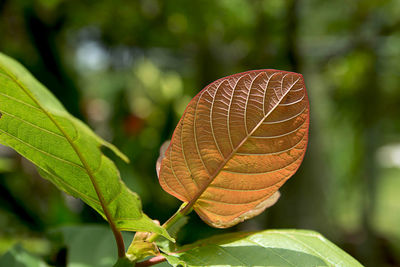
[236,144]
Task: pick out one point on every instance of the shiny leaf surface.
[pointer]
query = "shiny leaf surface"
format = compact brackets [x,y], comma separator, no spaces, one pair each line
[298,248]
[65,150]
[237,143]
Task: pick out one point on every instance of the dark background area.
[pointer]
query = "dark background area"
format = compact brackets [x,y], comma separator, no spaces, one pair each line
[128,69]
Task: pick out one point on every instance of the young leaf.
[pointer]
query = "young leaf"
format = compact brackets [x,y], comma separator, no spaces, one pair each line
[237,143]
[267,248]
[65,150]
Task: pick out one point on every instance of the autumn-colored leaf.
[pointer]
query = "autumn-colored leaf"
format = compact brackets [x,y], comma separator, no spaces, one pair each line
[236,144]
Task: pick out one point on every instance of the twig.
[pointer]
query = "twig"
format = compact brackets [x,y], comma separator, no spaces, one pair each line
[153,261]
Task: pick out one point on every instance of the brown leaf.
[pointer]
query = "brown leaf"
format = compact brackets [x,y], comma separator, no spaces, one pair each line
[237,143]
[248,214]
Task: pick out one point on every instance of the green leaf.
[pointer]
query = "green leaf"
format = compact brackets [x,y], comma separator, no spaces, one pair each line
[18,257]
[267,248]
[141,249]
[65,150]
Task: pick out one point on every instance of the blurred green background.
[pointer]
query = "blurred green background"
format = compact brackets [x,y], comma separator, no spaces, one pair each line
[129,68]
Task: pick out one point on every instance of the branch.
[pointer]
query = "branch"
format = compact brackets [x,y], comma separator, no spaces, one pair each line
[153,261]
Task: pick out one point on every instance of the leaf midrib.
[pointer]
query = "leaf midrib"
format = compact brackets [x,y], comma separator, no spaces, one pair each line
[32,124]
[270,249]
[219,169]
[313,250]
[70,141]
[42,151]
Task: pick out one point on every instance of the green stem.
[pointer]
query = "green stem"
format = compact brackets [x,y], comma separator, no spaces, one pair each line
[182,212]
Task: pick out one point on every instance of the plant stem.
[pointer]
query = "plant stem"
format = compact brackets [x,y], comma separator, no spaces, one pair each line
[119,240]
[153,261]
[182,211]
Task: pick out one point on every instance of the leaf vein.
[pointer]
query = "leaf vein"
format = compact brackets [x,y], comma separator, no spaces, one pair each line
[230,203]
[230,254]
[184,158]
[229,111]
[195,132]
[74,147]
[31,124]
[307,246]
[176,177]
[218,170]
[280,135]
[271,153]
[258,173]
[265,91]
[271,249]
[42,151]
[211,120]
[294,102]
[247,101]
[69,186]
[20,101]
[287,119]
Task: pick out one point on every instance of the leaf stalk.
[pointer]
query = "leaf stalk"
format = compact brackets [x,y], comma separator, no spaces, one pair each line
[153,261]
[184,210]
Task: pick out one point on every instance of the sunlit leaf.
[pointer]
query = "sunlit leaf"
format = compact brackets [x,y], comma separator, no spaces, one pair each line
[65,150]
[238,141]
[267,248]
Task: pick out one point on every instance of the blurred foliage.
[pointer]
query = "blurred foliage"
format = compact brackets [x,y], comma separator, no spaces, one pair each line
[18,257]
[90,245]
[128,68]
